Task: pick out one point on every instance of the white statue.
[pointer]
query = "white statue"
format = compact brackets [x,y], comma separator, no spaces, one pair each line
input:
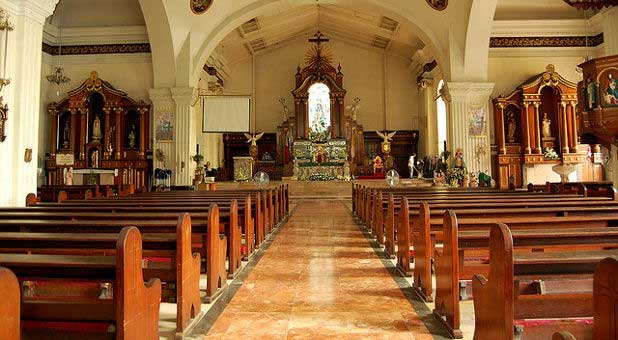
[411,165]
[386,137]
[284,107]
[96,130]
[354,108]
[253,138]
[546,126]
[68,176]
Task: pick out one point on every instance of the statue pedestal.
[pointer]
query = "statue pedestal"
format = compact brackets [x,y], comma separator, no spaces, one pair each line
[548,142]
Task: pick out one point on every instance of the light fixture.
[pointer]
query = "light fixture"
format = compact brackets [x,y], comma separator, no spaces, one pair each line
[5,26]
[58,77]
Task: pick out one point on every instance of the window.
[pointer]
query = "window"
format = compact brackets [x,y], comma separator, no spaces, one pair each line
[441,117]
[319,109]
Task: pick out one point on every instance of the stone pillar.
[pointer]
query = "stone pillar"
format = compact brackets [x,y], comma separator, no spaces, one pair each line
[54,132]
[107,138]
[162,105]
[466,98]
[184,135]
[427,120]
[23,97]
[610,30]
[83,136]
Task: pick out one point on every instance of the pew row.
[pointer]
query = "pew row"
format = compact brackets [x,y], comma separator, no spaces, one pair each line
[529,296]
[71,293]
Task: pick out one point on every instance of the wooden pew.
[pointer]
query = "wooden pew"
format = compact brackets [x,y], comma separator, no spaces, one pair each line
[132,309]
[152,210]
[10,305]
[453,267]
[531,295]
[180,267]
[213,244]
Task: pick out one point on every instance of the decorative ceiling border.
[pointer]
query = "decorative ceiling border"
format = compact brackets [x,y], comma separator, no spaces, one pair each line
[97,49]
[494,42]
[575,41]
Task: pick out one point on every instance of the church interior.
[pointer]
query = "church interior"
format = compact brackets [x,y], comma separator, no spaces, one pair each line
[309,169]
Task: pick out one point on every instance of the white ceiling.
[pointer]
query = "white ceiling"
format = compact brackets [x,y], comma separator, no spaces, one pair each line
[536,9]
[362,27]
[97,13]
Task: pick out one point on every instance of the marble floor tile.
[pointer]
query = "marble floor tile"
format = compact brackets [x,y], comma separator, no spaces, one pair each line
[319,279]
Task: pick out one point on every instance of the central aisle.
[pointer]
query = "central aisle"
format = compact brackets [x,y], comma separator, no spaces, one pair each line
[320,278]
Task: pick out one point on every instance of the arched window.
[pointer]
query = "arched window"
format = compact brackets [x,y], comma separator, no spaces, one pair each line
[319,109]
[441,109]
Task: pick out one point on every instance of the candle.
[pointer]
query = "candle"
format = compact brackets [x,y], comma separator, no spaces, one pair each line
[197,150]
[6,51]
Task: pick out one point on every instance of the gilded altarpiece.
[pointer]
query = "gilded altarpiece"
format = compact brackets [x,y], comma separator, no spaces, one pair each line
[536,127]
[100,132]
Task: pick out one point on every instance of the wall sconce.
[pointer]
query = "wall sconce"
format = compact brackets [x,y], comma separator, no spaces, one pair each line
[5,27]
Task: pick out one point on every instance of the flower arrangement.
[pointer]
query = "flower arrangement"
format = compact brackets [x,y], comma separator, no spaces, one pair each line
[455,176]
[198,161]
[549,153]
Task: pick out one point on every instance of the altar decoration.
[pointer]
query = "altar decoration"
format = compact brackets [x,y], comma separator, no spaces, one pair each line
[243,168]
[538,115]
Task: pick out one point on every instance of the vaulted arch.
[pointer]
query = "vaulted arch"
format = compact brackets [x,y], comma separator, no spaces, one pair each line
[161,44]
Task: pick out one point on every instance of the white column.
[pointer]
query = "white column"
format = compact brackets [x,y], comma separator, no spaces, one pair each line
[162,105]
[184,135]
[427,122]
[23,98]
[610,30]
[466,98]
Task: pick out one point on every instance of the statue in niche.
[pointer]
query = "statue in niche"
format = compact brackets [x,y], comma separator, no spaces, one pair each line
[96,130]
[68,176]
[132,137]
[511,127]
[546,126]
[411,165]
[66,135]
[94,159]
[284,109]
[320,157]
[458,160]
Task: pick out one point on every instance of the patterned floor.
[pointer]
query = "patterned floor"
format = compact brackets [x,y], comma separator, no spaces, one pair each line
[320,279]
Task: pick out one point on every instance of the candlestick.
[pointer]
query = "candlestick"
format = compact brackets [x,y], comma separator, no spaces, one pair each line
[197,150]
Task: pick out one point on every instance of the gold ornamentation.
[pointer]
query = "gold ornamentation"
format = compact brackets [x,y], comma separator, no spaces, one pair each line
[94,83]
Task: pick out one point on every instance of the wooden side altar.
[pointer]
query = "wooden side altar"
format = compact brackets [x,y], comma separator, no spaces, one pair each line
[98,127]
[536,129]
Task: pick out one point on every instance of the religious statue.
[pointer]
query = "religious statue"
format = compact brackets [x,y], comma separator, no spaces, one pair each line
[474,181]
[320,157]
[354,108]
[132,137]
[458,159]
[94,159]
[378,166]
[284,109]
[511,127]
[386,141]
[591,94]
[96,130]
[319,121]
[439,179]
[68,176]
[66,135]
[411,165]
[253,148]
[546,126]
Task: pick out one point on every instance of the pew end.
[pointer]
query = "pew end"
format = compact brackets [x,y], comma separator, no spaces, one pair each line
[10,305]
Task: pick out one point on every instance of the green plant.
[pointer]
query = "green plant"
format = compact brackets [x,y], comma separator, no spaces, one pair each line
[198,158]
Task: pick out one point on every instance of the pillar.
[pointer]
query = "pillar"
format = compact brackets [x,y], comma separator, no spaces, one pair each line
[184,135]
[107,137]
[564,130]
[537,128]
[500,135]
[83,136]
[54,132]
[162,105]
[427,120]
[526,128]
[119,131]
[575,122]
[466,98]
[23,98]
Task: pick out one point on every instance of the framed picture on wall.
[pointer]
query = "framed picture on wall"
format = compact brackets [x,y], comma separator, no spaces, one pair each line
[477,124]
[164,127]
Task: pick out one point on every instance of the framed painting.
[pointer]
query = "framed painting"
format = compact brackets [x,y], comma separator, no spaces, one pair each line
[200,6]
[438,5]
[164,127]
[477,125]
[608,86]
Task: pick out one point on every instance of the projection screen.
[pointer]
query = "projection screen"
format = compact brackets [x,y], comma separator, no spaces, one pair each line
[226,114]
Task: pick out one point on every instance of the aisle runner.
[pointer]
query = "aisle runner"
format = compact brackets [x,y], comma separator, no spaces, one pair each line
[319,279]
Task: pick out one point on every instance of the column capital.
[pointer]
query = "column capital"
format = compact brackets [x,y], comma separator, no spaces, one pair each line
[35,9]
[463,90]
[184,96]
[161,97]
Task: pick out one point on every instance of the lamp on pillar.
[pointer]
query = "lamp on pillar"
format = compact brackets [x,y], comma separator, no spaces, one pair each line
[5,26]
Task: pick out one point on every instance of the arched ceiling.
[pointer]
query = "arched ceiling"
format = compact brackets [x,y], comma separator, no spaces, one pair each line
[362,27]
[97,13]
[535,9]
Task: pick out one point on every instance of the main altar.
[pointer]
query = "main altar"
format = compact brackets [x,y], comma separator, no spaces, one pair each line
[319,142]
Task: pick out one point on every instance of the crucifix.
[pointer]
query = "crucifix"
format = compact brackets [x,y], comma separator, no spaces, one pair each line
[319,38]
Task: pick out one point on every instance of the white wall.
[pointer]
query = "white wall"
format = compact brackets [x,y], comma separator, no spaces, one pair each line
[363,71]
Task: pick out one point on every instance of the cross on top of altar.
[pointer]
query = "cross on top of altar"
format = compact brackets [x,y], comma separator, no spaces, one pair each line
[318,38]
